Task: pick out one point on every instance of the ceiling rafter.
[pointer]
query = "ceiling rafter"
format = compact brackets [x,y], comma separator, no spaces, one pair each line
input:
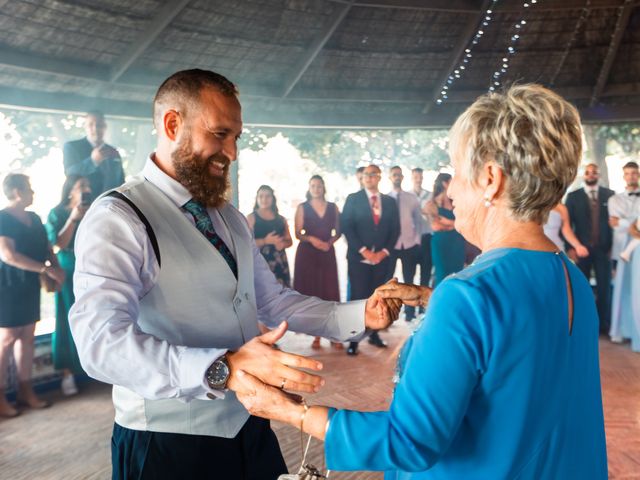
[616,38]
[470,7]
[316,46]
[458,50]
[164,17]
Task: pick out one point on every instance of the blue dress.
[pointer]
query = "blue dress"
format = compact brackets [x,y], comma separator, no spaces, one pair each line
[492,384]
[447,250]
[625,311]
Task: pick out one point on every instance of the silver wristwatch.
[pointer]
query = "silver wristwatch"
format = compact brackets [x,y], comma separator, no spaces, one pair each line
[218,373]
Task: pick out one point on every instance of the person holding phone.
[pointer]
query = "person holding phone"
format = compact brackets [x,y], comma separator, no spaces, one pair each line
[62,225]
[91,157]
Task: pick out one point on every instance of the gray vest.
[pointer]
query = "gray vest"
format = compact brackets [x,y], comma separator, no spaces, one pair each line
[196,302]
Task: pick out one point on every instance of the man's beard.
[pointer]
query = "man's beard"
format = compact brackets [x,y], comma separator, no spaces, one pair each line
[591,182]
[192,171]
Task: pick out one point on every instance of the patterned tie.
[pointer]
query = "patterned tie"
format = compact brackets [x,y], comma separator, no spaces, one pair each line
[205,225]
[375,209]
[595,219]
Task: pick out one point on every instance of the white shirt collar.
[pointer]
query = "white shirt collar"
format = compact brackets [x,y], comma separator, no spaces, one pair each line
[589,189]
[371,194]
[169,186]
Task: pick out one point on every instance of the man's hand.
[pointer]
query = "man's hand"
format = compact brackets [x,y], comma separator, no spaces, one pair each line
[100,153]
[413,295]
[271,366]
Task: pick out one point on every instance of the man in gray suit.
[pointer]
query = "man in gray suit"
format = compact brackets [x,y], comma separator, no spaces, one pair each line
[169,289]
[91,157]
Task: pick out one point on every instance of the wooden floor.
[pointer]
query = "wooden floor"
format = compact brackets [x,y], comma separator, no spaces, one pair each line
[71,439]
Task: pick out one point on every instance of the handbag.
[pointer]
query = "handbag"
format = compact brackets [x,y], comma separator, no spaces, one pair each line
[48,284]
[307,471]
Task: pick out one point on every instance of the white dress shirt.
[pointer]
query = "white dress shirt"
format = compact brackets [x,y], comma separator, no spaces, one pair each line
[410,219]
[626,208]
[116,266]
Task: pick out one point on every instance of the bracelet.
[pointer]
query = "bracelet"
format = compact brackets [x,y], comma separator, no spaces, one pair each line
[303,414]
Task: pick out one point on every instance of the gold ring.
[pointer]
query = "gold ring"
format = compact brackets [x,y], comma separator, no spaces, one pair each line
[284,380]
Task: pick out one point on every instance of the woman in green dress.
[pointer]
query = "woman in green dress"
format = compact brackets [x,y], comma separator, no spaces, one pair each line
[62,224]
[447,245]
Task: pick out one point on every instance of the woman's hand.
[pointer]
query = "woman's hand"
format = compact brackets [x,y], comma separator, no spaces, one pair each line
[268,402]
[271,239]
[582,251]
[56,273]
[413,295]
[78,213]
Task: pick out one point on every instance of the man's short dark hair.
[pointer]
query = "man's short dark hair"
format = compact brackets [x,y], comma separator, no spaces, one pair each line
[12,182]
[97,114]
[417,170]
[396,167]
[630,165]
[360,169]
[182,90]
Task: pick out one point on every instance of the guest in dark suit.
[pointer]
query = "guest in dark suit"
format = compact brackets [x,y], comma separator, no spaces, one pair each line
[371,225]
[590,221]
[90,157]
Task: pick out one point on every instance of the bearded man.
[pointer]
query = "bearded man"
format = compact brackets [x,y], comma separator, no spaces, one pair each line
[589,216]
[169,288]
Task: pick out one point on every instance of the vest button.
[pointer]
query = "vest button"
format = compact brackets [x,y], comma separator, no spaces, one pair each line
[237,301]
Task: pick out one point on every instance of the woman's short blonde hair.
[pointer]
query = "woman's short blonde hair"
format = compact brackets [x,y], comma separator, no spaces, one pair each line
[533,134]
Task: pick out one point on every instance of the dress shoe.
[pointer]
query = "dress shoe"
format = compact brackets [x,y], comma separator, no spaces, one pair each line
[375,340]
[68,386]
[353,349]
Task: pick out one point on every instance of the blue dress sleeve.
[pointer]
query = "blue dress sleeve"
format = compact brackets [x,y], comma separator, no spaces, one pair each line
[444,362]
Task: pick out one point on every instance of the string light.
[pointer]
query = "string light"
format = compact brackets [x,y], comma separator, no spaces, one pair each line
[458,71]
[516,34]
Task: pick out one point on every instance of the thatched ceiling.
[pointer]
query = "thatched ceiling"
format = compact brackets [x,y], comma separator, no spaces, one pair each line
[320,62]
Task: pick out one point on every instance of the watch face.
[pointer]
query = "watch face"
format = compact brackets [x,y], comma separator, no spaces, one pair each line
[218,374]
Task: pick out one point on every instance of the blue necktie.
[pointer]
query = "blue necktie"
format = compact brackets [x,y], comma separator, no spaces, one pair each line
[205,225]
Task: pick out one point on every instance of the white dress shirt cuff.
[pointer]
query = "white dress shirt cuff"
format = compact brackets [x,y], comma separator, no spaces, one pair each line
[194,363]
[351,319]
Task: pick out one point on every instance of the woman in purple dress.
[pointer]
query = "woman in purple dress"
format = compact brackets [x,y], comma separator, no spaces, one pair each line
[317,225]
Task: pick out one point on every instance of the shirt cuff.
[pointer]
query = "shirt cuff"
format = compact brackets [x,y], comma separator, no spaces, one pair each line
[351,319]
[194,363]
[386,251]
[362,249]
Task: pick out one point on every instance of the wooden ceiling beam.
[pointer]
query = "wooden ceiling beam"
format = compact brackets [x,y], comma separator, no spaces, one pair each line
[469,7]
[169,11]
[316,46]
[458,50]
[616,38]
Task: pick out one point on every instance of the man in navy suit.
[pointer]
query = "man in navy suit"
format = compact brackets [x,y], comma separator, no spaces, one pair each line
[92,158]
[371,225]
[589,217]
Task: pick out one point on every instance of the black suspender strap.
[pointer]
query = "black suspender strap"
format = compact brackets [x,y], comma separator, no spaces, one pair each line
[143,219]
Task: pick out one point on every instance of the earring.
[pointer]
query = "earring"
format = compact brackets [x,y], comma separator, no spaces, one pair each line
[487,201]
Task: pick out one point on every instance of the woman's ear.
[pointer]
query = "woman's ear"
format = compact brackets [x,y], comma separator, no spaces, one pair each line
[493,180]
[172,122]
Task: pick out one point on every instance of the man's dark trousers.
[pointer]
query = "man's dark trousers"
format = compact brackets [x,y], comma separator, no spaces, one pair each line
[254,454]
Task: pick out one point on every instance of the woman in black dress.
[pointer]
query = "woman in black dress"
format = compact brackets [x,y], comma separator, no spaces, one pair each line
[24,254]
[271,233]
